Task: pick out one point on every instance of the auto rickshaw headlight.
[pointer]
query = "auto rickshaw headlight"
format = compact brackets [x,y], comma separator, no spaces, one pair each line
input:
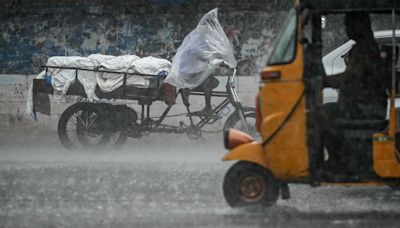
[234,138]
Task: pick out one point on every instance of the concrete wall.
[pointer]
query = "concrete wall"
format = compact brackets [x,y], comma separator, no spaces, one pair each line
[13,90]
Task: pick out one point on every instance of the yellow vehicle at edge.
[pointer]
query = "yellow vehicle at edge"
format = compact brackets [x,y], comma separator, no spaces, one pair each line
[288,106]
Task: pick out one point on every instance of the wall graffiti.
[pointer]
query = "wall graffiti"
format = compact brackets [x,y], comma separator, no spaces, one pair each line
[27,39]
[252,37]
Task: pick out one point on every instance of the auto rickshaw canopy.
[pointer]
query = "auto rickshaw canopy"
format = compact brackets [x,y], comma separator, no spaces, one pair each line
[323,6]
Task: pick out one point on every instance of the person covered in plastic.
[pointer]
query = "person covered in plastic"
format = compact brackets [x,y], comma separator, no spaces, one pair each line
[200,53]
[207,87]
[362,86]
[194,65]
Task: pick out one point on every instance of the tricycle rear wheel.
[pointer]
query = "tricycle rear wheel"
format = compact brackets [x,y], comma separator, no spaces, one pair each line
[87,125]
[248,184]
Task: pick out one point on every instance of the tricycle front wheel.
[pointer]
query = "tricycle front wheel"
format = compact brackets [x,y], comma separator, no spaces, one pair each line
[248,184]
[234,121]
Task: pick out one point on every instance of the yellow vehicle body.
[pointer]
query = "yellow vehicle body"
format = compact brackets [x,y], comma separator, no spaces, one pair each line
[292,159]
[283,126]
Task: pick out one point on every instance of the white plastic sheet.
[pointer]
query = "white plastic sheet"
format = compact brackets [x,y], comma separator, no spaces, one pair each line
[200,53]
[151,65]
[116,63]
[62,79]
[148,65]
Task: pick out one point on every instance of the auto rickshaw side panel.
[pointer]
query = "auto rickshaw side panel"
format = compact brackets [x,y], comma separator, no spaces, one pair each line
[283,125]
[385,156]
[251,152]
[283,150]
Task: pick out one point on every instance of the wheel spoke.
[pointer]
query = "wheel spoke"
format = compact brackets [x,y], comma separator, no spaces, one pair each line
[92,122]
[82,121]
[83,126]
[86,120]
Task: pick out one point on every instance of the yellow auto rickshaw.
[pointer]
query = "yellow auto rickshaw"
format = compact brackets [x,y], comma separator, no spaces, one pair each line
[292,121]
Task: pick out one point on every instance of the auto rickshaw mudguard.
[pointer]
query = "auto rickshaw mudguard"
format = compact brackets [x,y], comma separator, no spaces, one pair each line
[251,152]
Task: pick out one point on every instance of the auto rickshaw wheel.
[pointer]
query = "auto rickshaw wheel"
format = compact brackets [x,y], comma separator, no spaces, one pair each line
[248,184]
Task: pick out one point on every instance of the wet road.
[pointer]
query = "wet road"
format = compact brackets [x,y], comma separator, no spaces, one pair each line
[168,182]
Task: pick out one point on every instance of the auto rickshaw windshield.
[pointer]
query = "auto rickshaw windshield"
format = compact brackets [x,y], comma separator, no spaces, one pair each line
[285,48]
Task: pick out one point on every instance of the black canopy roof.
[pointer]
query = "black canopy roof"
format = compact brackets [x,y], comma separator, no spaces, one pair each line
[351,5]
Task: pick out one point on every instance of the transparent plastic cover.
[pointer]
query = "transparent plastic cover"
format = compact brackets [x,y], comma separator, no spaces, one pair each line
[202,50]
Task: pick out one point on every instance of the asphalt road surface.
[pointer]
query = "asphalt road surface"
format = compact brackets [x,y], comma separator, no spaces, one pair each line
[160,181]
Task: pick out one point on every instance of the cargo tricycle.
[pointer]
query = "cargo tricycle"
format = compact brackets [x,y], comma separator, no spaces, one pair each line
[108,124]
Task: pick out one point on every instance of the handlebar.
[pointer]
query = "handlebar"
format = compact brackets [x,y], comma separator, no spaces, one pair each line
[231,78]
[231,90]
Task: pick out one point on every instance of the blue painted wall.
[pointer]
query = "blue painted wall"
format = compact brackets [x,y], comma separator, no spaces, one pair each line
[32,31]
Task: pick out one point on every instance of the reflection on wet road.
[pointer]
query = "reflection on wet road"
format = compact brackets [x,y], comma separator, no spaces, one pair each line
[163,185]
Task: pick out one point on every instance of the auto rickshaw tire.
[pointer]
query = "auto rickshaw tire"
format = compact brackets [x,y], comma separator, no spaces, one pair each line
[247,184]
[234,118]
